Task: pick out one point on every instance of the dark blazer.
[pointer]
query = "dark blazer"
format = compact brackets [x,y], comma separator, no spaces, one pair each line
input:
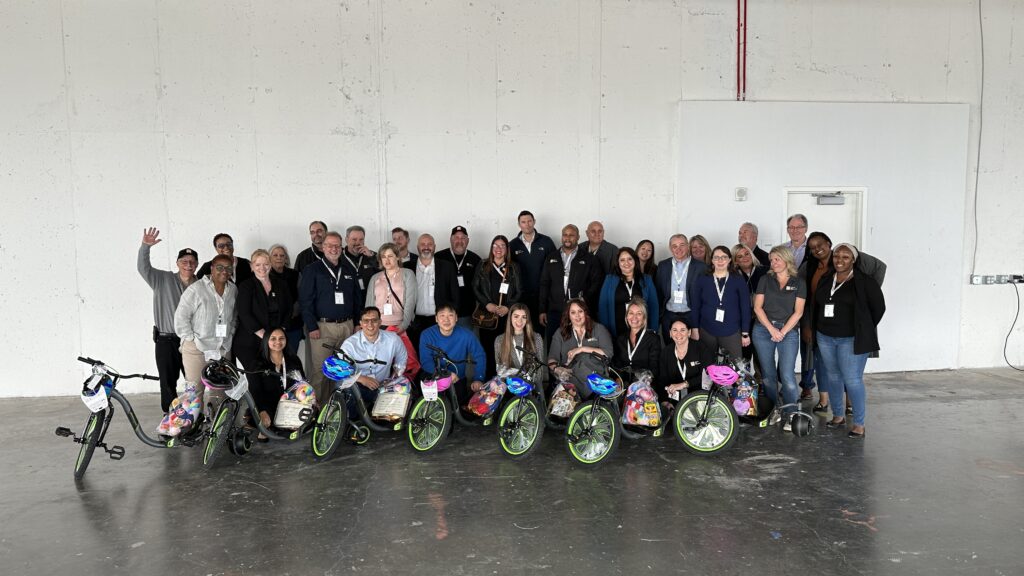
[870,308]
[646,357]
[670,373]
[243,270]
[584,281]
[486,292]
[367,268]
[605,255]
[253,306]
[606,309]
[761,255]
[663,280]
[446,283]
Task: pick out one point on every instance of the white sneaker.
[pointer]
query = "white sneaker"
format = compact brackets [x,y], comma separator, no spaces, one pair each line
[774,418]
[788,426]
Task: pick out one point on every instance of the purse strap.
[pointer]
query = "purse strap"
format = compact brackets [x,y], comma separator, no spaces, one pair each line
[393,290]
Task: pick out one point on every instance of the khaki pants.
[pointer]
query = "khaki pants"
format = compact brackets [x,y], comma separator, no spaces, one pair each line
[333,334]
[193,361]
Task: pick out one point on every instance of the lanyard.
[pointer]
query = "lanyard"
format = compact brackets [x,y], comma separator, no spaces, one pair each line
[678,279]
[630,351]
[354,264]
[629,289]
[579,339]
[458,265]
[835,288]
[336,277]
[517,351]
[284,373]
[500,270]
[720,289]
[220,303]
[680,365]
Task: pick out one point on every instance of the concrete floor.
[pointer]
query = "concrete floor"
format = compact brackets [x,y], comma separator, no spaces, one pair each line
[937,487]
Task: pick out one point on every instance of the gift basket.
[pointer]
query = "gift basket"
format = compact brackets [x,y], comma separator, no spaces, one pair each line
[640,408]
[392,399]
[182,414]
[293,402]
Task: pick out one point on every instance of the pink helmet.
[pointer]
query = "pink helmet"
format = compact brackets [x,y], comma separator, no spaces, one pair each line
[722,375]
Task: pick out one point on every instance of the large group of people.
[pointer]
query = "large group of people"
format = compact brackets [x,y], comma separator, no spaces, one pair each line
[527,295]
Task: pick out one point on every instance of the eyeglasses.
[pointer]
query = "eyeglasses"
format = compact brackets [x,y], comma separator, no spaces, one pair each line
[720,257]
[370,321]
[801,227]
[224,245]
[223,267]
[332,246]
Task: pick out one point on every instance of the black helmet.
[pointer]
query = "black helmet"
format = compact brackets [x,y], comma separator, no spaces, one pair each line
[219,374]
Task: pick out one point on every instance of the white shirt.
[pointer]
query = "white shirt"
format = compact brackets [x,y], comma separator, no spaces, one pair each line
[388,348]
[425,278]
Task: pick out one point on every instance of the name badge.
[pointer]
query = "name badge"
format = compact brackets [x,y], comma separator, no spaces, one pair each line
[339,298]
[388,309]
[677,296]
[830,310]
[362,285]
[674,395]
[462,282]
[503,289]
[222,331]
[719,315]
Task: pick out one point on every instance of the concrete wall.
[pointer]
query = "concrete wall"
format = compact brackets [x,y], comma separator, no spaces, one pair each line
[257,116]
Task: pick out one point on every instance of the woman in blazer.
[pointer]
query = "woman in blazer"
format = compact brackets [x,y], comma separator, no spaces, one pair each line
[620,287]
[264,303]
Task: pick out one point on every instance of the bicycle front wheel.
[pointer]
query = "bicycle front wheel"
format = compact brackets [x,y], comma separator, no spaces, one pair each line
[219,431]
[89,439]
[330,424]
[520,427]
[592,433]
[705,434]
[429,423]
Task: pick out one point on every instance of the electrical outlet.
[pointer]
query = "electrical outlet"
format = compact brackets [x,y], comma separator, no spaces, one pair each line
[976,279]
[1002,279]
[988,279]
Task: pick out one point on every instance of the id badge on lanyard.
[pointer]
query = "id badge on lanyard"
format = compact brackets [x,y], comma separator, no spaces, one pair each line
[222,329]
[462,282]
[388,309]
[339,298]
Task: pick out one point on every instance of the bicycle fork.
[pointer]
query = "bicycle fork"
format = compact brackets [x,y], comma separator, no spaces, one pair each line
[114,452]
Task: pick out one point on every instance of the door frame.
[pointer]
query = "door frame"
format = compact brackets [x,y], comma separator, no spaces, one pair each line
[861,191]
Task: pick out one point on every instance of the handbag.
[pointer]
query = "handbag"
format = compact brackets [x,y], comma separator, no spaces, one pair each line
[483,319]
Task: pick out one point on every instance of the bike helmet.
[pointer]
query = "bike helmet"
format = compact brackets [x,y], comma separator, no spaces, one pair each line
[518,386]
[219,375]
[601,385]
[722,375]
[337,369]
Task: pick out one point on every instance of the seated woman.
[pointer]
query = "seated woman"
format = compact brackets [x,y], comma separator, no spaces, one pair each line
[681,368]
[519,334]
[285,369]
[578,334]
[639,348]
[624,283]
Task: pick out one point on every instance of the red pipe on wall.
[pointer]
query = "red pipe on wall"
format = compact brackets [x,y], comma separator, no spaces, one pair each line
[741,49]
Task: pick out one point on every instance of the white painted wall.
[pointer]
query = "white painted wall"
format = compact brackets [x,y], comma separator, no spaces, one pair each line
[257,116]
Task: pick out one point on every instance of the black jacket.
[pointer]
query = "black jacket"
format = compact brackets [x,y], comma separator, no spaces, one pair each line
[870,306]
[646,357]
[446,283]
[584,281]
[362,267]
[470,264]
[308,256]
[531,263]
[254,306]
[486,286]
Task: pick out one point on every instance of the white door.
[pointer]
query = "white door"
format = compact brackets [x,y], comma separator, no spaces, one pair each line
[837,211]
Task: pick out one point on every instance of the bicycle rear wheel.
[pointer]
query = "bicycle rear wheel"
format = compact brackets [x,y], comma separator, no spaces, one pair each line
[520,427]
[330,424]
[219,431]
[90,437]
[705,435]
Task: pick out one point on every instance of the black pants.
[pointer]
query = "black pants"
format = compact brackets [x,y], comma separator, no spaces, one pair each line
[169,366]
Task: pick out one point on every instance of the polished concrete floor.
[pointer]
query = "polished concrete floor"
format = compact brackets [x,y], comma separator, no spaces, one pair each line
[936,487]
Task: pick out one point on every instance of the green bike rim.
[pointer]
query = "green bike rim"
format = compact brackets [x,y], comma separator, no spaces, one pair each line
[328,426]
[93,423]
[424,436]
[215,433]
[592,448]
[711,436]
[526,433]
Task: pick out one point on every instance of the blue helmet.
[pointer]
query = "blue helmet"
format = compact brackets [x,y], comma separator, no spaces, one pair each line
[601,385]
[518,386]
[337,369]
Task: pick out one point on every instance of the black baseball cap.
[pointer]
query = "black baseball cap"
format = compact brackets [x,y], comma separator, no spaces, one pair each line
[458,229]
[187,252]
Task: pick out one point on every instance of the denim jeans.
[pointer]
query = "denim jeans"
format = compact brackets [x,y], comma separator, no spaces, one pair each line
[770,368]
[845,373]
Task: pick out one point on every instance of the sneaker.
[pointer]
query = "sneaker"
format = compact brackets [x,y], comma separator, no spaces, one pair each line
[788,426]
[774,418]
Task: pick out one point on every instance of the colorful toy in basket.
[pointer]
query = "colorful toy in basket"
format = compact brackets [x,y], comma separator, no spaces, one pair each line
[182,413]
[293,402]
[564,399]
[641,405]
[486,400]
[393,399]
[744,398]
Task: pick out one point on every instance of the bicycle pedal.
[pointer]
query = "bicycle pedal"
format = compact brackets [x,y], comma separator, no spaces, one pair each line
[294,435]
[659,432]
[398,426]
[63,432]
[488,421]
[115,452]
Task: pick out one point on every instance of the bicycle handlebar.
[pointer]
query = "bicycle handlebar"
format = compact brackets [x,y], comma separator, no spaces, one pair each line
[112,372]
[338,350]
[444,355]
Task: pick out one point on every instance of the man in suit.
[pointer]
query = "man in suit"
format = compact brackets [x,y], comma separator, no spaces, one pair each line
[674,280]
[748,237]
[568,273]
[436,284]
